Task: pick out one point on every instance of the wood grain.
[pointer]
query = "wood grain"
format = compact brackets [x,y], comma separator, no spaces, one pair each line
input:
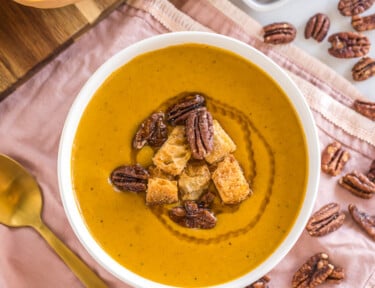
[29,37]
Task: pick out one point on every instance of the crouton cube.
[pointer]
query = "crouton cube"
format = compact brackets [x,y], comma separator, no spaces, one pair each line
[161,191]
[223,144]
[194,180]
[174,153]
[230,181]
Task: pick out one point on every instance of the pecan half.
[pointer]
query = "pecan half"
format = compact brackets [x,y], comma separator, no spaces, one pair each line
[348,45]
[313,273]
[363,23]
[200,132]
[279,33]
[317,27]
[358,184]
[327,219]
[260,283]
[336,276]
[334,159]
[364,220]
[177,113]
[130,178]
[152,131]
[354,7]
[371,172]
[192,216]
[206,200]
[365,108]
[363,69]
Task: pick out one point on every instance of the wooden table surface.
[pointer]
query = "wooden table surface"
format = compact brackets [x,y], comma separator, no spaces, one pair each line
[30,37]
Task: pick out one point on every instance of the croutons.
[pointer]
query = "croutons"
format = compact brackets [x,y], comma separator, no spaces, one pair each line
[194,180]
[161,191]
[223,144]
[230,181]
[174,154]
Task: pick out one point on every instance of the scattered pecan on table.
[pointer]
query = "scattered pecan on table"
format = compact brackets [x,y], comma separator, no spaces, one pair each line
[178,113]
[363,23]
[363,69]
[200,132]
[130,178]
[354,7]
[192,216]
[260,283]
[365,108]
[327,219]
[348,45]
[334,159]
[317,27]
[317,270]
[279,33]
[364,220]
[153,131]
[358,184]
[371,172]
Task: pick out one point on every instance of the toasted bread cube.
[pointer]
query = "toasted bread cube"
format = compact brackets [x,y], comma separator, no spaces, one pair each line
[194,180]
[230,181]
[174,154]
[161,191]
[223,144]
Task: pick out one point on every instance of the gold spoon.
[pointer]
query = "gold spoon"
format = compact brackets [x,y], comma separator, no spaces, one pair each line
[21,205]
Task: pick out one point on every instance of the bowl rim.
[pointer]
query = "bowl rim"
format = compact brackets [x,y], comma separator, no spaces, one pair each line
[155,43]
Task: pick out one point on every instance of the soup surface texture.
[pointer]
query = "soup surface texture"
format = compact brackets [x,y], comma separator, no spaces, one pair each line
[271,149]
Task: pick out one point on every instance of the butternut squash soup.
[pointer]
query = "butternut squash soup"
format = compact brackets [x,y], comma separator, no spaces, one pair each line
[269,146]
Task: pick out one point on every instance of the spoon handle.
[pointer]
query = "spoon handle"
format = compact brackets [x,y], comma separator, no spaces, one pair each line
[79,268]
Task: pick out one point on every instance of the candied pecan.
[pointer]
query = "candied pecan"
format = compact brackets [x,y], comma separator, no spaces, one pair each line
[363,69]
[279,33]
[152,131]
[348,45]
[206,200]
[358,184]
[371,172]
[313,273]
[327,219]
[354,7]
[334,159]
[200,132]
[364,220]
[363,23]
[192,216]
[177,113]
[336,276]
[130,178]
[260,283]
[365,108]
[317,27]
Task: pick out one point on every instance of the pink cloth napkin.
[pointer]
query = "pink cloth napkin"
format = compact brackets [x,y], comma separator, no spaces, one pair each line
[31,120]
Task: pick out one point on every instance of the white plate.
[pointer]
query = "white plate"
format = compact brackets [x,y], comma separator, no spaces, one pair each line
[264,5]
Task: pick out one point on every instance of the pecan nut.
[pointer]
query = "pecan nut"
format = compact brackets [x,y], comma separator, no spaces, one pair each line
[367,109]
[279,33]
[207,199]
[363,69]
[334,159]
[192,216]
[371,172]
[317,27]
[313,273]
[354,7]
[153,131]
[199,133]
[178,113]
[348,45]
[130,178]
[363,23]
[364,220]
[260,283]
[336,276]
[358,184]
[327,219]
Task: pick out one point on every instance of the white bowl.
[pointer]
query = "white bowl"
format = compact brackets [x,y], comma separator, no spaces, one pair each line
[267,6]
[155,43]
